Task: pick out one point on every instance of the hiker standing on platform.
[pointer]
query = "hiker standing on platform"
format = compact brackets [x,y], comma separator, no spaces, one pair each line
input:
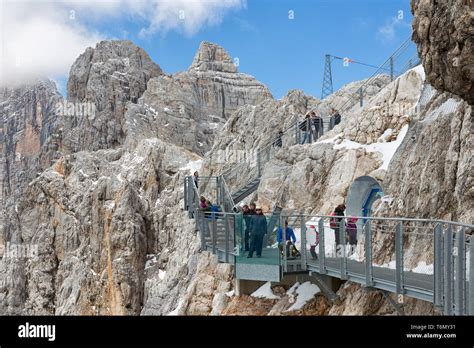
[318,126]
[335,119]
[305,127]
[196,179]
[335,222]
[351,231]
[279,142]
[247,217]
[257,232]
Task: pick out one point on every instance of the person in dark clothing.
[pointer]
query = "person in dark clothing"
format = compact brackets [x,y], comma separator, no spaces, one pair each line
[336,222]
[317,125]
[335,119]
[247,214]
[351,230]
[279,141]
[248,222]
[252,209]
[196,179]
[257,232]
[305,127]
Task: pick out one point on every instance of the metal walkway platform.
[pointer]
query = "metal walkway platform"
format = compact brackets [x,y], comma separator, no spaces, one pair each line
[443,275]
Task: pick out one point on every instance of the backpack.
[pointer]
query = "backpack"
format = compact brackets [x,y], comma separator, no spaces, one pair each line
[333,222]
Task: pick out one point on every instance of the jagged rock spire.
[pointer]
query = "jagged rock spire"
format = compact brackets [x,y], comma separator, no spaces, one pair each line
[213,57]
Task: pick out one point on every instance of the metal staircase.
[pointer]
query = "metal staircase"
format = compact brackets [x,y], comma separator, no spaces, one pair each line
[245,191]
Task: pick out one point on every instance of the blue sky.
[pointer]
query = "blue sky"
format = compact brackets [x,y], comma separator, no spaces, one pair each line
[281,52]
[289,54]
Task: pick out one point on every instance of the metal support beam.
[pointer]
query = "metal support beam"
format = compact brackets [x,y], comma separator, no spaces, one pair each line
[297,133]
[448,266]
[202,229]
[369,277]
[361,97]
[322,253]
[226,223]
[327,78]
[304,250]
[214,234]
[460,272]
[399,257]
[438,265]
[471,276]
[342,240]
[283,241]
[310,130]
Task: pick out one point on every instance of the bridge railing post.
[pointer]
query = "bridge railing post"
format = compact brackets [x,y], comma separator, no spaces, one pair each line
[283,242]
[460,272]
[399,257]
[202,229]
[322,249]
[297,133]
[369,276]
[226,246]
[471,276]
[310,130]
[448,275]
[438,265]
[343,253]
[304,250]
[214,234]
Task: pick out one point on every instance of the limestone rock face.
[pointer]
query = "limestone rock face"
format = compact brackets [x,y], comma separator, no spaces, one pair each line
[212,57]
[188,108]
[109,76]
[100,197]
[444,33]
[391,108]
[27,117]
[94,219]
[356,300]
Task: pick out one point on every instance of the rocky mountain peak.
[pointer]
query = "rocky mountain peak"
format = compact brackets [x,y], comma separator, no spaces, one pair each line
[213,57]
[119,59]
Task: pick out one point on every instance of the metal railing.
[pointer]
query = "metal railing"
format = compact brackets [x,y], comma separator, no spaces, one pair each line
[404,58]
[428,259]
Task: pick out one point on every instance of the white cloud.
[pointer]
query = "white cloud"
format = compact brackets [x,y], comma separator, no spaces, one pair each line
[185,15]
[44,37]
[387,32]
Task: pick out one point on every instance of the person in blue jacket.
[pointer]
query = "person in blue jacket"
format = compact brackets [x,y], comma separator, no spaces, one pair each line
[290,234]
[289,242]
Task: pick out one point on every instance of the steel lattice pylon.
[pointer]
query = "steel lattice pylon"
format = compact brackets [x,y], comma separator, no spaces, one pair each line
[327,78]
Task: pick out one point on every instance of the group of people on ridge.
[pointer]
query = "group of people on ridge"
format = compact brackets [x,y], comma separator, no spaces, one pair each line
[312,127]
